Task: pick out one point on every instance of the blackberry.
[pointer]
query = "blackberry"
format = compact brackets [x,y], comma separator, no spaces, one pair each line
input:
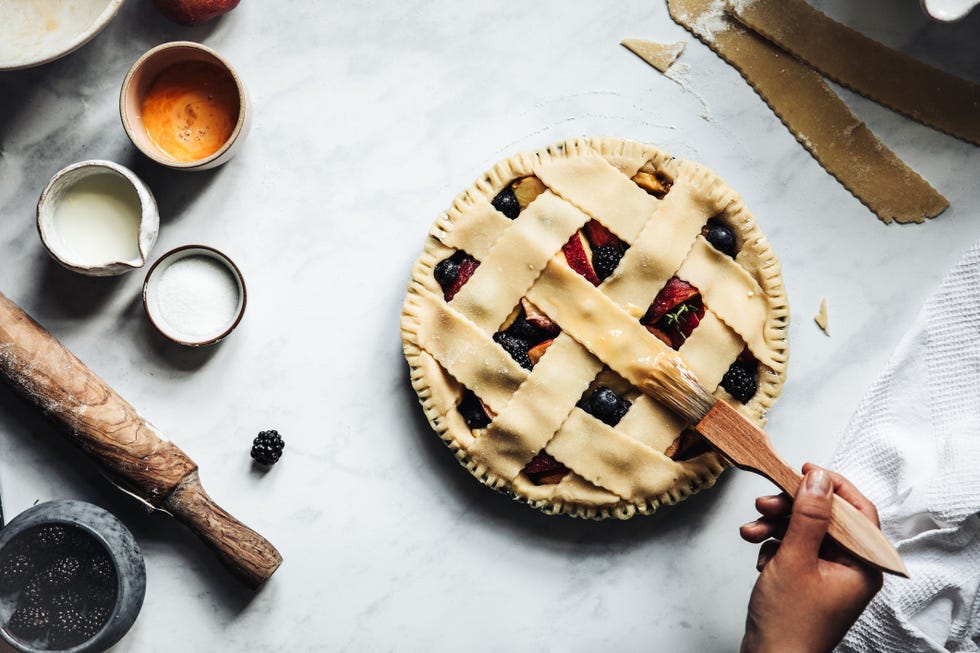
[506,202]
[605,258]
[446,272]
[523,329]
[33,593]
[101,596]
[15,571]
[100,572]
[740,380]
[81,544]
[472,411]
[94,621]
[722,238]
[67,628]
[514,346]
[606,406]
[61,573]
[67,598]
[98,616]
[267,447]
[28,621]
[49,537]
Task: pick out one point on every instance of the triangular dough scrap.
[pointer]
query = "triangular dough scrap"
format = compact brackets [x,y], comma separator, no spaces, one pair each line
[821,317]
[659,55]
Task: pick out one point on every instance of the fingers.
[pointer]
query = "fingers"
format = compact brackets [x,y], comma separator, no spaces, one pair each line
[775,512]
[763,529]
[777,505]
[810,518]
[766,553]
[846,490]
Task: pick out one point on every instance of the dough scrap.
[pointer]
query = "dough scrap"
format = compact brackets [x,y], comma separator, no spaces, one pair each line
[821,317]
[659,55]
[895,80]
[820,121]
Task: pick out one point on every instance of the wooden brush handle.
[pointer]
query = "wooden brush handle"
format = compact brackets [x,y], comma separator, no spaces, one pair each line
[127,447]
[749,448]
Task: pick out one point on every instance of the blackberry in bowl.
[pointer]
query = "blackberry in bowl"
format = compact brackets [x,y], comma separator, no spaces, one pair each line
[72,578]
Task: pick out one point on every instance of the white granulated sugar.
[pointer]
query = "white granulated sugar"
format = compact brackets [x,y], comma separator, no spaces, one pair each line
[198,296]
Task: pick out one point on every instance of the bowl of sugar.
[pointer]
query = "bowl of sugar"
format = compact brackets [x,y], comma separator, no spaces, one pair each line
[184,106]
[98,218]
[194,295]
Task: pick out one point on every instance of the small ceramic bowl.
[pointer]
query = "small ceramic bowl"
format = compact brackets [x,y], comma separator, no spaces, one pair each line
[96,535]
[33,32]
[194,295]
[140,79]
[94,244]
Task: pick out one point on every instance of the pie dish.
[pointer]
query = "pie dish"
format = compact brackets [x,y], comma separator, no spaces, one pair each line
[527,279]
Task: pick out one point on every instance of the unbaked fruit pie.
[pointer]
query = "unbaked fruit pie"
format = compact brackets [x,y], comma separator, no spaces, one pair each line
[510,323]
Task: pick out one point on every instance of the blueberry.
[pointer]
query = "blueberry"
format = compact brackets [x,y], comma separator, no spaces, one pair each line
[606,406]
[506,202]
[472,411]
[446,272]
[722,238]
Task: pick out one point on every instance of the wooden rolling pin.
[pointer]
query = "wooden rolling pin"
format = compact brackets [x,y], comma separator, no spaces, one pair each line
[128,449]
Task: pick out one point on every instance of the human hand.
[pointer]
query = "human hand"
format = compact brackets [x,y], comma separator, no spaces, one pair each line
[810,590]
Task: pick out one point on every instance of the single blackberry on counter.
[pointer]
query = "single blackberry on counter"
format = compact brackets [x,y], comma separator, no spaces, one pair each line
[28,621]
[267,447]
[15,571]
[67,628]
[605,258]
[740,380]
[506,202]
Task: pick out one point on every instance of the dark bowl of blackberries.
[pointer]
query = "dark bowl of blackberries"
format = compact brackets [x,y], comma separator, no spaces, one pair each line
[72,578]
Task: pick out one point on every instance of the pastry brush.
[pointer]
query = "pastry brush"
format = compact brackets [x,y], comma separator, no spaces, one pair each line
[748,447]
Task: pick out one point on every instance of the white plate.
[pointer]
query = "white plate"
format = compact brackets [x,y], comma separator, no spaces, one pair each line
[33,32]
[949,9]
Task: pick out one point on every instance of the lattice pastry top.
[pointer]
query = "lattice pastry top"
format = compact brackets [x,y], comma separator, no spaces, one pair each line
[541,292]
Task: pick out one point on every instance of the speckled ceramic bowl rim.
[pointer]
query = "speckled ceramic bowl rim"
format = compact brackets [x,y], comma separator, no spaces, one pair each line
[95,534]
[80,39]
[182,252]
[155,155]
[149,219]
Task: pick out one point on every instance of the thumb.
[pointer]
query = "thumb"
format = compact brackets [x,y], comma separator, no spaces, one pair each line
[811,515]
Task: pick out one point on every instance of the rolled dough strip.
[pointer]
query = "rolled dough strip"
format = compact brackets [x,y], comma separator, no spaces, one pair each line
[821,122]
[899,82]
[659,55]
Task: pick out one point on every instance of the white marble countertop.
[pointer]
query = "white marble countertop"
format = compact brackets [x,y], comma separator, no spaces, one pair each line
[369,119]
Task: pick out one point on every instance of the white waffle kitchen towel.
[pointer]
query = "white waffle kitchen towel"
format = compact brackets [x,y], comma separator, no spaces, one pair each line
[913,447]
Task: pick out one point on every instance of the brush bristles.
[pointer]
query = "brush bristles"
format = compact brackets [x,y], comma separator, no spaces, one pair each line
[674,384]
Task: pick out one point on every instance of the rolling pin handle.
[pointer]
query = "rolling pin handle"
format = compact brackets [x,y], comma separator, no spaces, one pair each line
[243,551]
